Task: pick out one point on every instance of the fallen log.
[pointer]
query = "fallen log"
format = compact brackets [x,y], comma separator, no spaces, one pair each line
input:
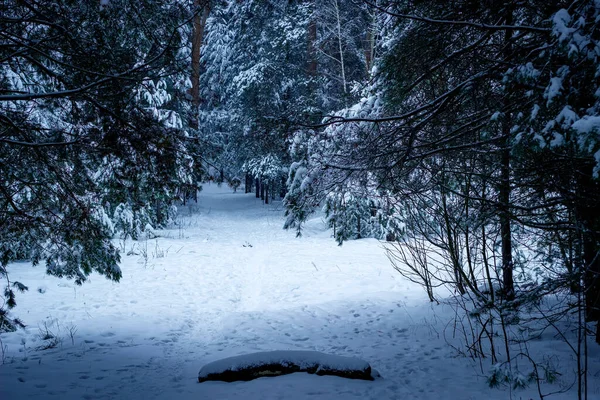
[281,362]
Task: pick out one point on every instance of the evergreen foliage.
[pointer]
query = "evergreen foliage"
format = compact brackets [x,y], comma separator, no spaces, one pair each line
[92,132]
[468,129]
[478,140]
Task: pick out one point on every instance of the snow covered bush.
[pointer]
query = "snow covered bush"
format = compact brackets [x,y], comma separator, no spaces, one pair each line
[129,223]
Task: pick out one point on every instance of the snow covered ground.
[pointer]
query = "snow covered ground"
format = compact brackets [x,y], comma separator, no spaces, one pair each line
[230,281]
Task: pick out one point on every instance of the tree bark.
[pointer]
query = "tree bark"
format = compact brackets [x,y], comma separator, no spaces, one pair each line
[248,185]
[505,234]
[370,43]
[312,40]
[341,49]
[588,216]
[505,189]
[202,10]
[267,193]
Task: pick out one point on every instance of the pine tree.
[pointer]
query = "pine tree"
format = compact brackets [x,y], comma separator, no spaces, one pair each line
[89,124]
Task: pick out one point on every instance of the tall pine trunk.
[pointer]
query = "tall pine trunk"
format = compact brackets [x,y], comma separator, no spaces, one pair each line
[202,10]
[340,46]
[267,193]
[312,40]
[588,218]
[248,184]
[283,190]
[370,42]
[262,189]
[504,188]
[505,233]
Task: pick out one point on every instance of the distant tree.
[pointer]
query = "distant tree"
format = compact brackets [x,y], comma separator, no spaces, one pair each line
[254,81]
[270,66]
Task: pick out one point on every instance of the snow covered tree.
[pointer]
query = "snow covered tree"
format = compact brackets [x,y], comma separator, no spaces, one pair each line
[340,50]
[254,79]
[269,67]
[89,120]
[481,129]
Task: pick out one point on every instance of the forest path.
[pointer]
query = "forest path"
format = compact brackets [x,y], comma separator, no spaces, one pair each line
[228,280]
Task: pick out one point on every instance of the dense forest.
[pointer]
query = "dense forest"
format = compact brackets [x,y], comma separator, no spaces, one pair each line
[465,135]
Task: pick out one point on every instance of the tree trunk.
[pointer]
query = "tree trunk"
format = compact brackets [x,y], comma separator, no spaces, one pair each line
[505,234]
[341,49]
[202,10]
[257,184]
[262,189]
[248,184]
[312,40]
[267,193]
[504,189]
[370,43]
[159,217]
[588,216]
[452,250]
[283,190]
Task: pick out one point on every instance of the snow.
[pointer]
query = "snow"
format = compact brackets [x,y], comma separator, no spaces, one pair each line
[567,117]
[302,358]
[534,112]
[553,90]
[560,28]
[199,293]
[587,124]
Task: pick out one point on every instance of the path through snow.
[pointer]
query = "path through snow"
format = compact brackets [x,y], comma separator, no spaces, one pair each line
[230,281]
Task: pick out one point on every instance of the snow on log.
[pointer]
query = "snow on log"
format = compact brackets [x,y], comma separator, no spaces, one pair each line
[274,363]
